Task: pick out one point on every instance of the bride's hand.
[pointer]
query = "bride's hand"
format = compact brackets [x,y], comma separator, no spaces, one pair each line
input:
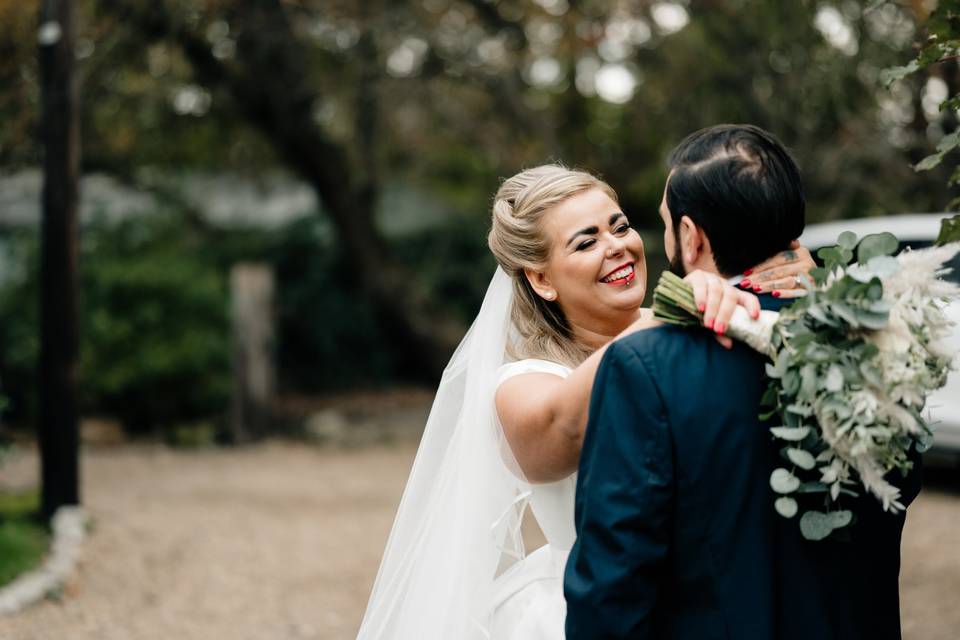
[717,299]
[779,274]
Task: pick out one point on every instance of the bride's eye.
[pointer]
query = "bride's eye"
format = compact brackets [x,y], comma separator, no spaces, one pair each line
[623,227]
[586,244]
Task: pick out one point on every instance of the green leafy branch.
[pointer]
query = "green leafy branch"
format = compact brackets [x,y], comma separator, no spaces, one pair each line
[942,44]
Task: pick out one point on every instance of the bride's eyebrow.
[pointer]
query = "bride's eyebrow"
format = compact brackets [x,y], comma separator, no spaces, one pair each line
[589,231]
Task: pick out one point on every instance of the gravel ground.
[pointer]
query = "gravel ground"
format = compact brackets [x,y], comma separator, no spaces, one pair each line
[281,541]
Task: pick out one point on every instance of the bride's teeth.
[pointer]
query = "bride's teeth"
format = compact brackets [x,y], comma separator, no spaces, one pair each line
[622,273]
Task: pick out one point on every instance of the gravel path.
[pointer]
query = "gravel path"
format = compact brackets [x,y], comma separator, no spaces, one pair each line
[282,542]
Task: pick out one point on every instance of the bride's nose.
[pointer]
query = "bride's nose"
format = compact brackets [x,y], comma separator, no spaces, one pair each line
[615,247]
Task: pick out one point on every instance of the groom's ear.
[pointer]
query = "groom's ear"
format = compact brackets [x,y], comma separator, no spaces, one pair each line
[694,244]
[541,284]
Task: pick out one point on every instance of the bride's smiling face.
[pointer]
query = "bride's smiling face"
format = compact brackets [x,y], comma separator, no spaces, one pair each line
[596,270]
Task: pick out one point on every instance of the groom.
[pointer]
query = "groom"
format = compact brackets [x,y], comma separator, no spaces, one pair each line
[677,535]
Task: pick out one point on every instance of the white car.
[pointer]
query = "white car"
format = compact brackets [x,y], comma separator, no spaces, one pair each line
[917,231]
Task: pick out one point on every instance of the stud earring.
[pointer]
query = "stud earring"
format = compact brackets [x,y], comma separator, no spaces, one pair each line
[550,296]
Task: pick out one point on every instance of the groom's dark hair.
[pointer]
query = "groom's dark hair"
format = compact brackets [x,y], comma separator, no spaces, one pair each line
[739,184]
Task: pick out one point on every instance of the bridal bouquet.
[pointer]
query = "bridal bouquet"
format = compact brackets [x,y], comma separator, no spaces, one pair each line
[852,363]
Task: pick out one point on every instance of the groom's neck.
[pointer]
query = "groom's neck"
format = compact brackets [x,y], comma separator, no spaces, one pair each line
[705,262]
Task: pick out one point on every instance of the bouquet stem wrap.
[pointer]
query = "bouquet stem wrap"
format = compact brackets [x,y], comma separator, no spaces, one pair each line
[674,304]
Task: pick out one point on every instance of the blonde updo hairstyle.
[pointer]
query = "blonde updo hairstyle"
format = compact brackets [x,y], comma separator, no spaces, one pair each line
[518,242]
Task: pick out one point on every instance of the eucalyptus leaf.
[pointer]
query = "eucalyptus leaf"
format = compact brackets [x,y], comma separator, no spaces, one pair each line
[786,506]
[830,255]
[792,420]
[860,273]
[839,519]
[931,161]
[817,314]
[790,434]
[780,367]
[838,406]
[949,230]
[847,314]
[949,142]
[801,410]
[801,458]
[873,320]
[876,244]
[871,373]
[815,525]
[782,481]
[808,378]
[891,75]
[847,240]
[834,381]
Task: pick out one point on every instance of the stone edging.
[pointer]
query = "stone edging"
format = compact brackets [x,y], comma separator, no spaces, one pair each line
[69,529]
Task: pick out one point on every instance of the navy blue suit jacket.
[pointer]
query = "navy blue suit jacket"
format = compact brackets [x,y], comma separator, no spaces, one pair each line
[677,535]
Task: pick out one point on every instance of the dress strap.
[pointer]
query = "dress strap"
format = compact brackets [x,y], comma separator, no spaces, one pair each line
[531,365]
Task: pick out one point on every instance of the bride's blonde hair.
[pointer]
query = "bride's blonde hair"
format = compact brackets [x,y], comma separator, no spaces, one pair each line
[517,241]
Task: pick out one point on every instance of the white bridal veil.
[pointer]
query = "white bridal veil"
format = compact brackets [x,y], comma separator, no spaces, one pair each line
[459,519]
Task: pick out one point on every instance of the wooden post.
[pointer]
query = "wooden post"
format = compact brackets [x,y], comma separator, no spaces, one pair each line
[251,294]
[59,441]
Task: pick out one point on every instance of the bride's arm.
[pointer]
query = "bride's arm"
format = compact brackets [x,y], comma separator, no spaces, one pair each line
[544,416]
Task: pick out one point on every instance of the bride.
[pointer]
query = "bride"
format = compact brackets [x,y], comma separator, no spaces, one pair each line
[506,427]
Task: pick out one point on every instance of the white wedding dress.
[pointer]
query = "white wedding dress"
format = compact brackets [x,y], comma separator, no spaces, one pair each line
[528,599]
[446,572]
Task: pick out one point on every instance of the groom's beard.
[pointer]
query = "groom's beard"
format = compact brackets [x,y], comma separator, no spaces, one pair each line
[676,264]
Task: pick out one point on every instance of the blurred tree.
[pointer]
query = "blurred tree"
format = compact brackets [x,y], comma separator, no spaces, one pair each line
[938,58]
[265,76]
[449,94]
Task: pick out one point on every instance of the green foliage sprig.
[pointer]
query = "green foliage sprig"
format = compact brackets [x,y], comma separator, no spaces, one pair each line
[942,45]
[949,231]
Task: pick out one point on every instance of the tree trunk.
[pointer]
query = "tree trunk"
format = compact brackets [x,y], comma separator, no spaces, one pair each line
[59,441]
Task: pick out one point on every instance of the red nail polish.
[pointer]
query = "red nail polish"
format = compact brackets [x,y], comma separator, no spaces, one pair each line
[708,323]
[756,288]
[748,272]
[721,328]
[745,283]
[776,294]
[702,308]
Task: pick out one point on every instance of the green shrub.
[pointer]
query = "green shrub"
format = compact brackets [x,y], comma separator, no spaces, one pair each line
[23,540]
[155,333]
[153,324]
[155,347]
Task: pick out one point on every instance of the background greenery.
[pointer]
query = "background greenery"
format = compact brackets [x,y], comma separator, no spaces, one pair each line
[23,538]
[433,100]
